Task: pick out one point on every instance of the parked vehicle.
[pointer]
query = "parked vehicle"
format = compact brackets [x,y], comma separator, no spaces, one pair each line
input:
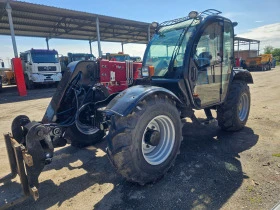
[135,58]
[259,63]
[187,65]
[116,56]
[273,63]
[1,79]
[40,67]
[1,83]
[65,60]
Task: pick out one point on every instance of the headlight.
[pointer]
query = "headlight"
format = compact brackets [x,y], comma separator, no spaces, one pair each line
[145,71]
[193,14]
[34,76]
[155,24]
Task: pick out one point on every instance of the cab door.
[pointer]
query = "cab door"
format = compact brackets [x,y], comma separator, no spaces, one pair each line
[228,57]
[29,63]
[206,62]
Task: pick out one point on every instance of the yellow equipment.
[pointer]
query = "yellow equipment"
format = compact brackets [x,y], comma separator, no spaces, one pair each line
[9,77]
[262,62]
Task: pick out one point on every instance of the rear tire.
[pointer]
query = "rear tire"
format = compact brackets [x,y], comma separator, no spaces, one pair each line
[233,114]
[134,158]
[80,140]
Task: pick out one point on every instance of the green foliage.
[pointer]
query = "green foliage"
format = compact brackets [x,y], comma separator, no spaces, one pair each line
[276,52]
[268,49]
[277,59]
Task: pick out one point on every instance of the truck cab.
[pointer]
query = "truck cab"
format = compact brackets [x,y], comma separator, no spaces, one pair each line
[65,60]
[40,67]
[116,56]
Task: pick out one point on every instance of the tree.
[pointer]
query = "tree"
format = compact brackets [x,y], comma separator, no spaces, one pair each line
[276,52]
[268,49]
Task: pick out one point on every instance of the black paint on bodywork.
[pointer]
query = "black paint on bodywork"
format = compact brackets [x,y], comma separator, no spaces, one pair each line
[128,99]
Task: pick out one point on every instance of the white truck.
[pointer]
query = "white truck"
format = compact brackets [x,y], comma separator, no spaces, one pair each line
[40,67]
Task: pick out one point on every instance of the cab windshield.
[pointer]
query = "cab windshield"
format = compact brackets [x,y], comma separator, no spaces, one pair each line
[120,57]
[83,57]
[169,44]
[44,57]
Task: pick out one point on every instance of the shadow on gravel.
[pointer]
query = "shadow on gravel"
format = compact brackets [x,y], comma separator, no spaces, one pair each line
[9,94]
[205,175]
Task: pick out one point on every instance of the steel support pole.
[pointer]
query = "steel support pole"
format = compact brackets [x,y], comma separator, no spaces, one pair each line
[238,49]
[47,41]
[90,48]
[9,11]
[122,47]
[98,38]
[149,33]
[258,48]
[249,48]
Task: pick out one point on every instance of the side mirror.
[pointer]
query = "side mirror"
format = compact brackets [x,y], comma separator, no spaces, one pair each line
[2,64]
[234,24]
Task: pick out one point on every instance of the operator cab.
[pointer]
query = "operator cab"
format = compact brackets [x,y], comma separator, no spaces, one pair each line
[196,50]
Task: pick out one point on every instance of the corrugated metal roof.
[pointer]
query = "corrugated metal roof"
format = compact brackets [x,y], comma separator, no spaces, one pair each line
[51,22]
[244,41]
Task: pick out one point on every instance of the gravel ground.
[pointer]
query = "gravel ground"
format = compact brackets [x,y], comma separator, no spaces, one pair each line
[215,169]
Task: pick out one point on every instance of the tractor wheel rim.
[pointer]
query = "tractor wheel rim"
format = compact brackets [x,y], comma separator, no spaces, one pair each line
[156,155]
[243,107]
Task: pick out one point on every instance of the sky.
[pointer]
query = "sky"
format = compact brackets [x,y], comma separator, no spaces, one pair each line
[256,19]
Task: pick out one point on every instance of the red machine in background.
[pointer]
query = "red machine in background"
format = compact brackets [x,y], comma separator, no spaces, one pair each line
[117,76]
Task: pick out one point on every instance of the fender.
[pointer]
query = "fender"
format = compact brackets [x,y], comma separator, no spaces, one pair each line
[124,103]
[242,74]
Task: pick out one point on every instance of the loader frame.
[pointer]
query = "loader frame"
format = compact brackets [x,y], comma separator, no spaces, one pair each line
[18,159]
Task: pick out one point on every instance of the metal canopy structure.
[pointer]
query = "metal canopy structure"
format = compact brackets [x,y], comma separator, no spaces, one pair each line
[35,20]
[244,41]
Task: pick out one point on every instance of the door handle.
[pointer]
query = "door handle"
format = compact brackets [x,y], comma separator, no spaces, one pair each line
[193,74]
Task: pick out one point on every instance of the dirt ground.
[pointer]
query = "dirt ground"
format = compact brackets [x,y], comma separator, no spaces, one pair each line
[215,169]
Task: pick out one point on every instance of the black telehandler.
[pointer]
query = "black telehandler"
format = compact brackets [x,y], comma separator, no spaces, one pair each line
[187,66]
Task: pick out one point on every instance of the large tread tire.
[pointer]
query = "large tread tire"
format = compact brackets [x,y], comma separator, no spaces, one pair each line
[125,140]
[79,139]
[228,113]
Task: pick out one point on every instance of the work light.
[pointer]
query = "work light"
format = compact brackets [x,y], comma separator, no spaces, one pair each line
[193,14]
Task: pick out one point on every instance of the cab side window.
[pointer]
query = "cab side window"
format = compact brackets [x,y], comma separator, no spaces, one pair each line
[28,58]
[207,51]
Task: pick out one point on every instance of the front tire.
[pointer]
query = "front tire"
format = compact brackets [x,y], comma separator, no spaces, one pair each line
[80,140]
[81,135]
[233,114]
[29,83]
[144,144]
